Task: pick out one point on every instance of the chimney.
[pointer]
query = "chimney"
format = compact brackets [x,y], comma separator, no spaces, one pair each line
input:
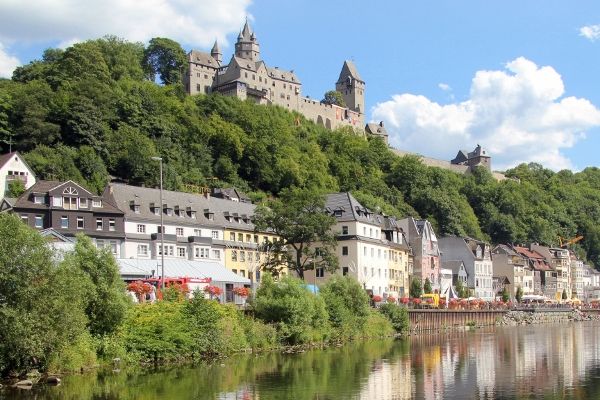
[381,124]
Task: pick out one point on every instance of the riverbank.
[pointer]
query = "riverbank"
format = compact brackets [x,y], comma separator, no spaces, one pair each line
[516,317]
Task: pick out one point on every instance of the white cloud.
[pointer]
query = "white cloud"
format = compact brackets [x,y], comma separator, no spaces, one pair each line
[8,63]
[591,32]
[194,22]
[519,114]
[444,86]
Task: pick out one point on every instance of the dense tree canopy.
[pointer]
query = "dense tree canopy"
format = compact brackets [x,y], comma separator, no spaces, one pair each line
[93,111]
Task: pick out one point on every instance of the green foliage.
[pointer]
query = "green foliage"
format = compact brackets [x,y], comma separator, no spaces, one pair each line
[299,315]
[15,188]
[41,307]
[461,290]
[505,295]
[397,315]
[298,217]
[347,304]
[519,294]
[106,301]
[416,289]
[427,286]
[165,58]
[378,326]
[334,97]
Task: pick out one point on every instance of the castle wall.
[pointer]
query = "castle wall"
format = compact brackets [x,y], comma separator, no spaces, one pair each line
[330,116]
[200,78]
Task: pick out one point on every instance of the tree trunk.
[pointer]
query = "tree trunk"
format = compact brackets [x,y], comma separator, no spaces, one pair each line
[299,269]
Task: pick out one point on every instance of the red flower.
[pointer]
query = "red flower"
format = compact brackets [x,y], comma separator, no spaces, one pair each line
[377,298]
[391,299]
[404,300]
[241,291]
[139,288]
[416,301]
[442,301]
[213,290]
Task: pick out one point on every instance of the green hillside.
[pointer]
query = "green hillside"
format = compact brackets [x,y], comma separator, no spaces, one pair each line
[93,112]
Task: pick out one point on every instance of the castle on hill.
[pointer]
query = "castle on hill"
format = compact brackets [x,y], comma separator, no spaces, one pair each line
[246,76]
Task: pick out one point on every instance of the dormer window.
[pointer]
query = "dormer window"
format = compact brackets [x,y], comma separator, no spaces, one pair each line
[209,214]
[83,202]
[135,206]
[96,203]
[337,213]
[39,199]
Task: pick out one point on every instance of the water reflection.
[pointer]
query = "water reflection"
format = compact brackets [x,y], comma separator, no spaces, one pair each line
[544,361]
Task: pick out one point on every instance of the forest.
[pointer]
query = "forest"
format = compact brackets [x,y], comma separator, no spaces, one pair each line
[98,110]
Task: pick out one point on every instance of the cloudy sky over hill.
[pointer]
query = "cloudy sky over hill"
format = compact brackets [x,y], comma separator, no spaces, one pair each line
[518,77]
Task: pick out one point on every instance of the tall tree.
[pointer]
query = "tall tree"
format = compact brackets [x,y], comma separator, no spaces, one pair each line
[165,58]
[334,97]
[306,240]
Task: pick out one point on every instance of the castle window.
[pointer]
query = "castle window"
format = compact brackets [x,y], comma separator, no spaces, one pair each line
[284,85]
[245,74]
[205,76]
[198,87]
[253,77]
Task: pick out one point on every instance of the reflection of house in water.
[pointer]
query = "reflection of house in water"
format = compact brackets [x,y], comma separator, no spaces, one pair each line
[388,380]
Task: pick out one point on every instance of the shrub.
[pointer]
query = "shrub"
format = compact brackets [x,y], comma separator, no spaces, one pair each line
[299,316]
[347,305]
[260,336]
[377,326]
[398,316]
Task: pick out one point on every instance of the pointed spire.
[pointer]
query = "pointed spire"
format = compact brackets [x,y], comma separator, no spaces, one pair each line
[246,32]
[240,37]
[215,48]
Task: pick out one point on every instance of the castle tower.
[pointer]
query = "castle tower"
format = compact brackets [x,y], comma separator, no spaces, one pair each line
[247,46]
[352,87]
[216,53]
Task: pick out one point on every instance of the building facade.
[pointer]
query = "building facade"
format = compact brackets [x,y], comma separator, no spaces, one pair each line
[14,168]
[69,209]
[426,254]
[246,76]
[507,262]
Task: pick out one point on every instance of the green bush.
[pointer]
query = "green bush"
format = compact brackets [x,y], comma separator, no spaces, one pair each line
[75,356]
[377,326]
[347,304]
[299,315]
[397,315]
[260,336]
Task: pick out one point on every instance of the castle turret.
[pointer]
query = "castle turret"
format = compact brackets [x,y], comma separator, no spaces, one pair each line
[352,87]
[216,53]
[247,46]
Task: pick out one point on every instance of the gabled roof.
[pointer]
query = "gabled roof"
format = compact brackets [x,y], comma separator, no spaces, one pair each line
[351,209]
[376,129]
[349,69]
[56,236]
[454,265]
[200,57]
[5,157]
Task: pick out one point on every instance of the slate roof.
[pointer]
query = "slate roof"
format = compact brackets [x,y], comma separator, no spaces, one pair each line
[376,129]
[454,265]
[43,187]
[200,57]
[5,157]
[178,268]
[349,69]
[202,205]
[351,209]
[283,75]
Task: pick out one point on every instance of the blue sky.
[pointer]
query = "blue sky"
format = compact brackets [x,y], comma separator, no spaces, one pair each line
[517,77]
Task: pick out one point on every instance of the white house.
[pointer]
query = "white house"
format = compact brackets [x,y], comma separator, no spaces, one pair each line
[12,168]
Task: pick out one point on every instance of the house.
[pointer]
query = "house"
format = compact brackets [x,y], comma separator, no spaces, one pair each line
[60,243]
[477,258]
[196,227]
[14,168]
[500,283]
[424,243]
[459,272]
[560,262]
[577,272]
[69,208]
[368,248]
[544,278]
[507,262]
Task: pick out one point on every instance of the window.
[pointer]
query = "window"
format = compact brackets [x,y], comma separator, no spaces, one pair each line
[170,212]
[338,213]
[96,203]
[57,201]
[232,236]
[344,230]
[250,256]
[364,231]
[378,253]
[248,238]
[64,222]
[80,223]
[39,221]
[156,211]
[233,255]
[70,203]
[242,256]
[197,232]
[99,243]
[265,239]
[370,232]
[345,271]
[181,252]
[83,203]
[255,238]
[168,250]
[136,208]
[179,231]
[141,228]
[320,272]
[240,237]
[98,224]
[192,214]
[215,234]
[365,251]
[113,246]
[345,250]
[25,219]
[201,252]
[142,250]
[243,273]
[216,254]
[111,224]
[372,252]
[39,199]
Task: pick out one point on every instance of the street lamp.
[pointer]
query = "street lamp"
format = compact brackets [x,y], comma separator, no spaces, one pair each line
[162,226]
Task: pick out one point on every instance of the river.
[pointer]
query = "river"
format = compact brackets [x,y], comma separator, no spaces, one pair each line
[538,361]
